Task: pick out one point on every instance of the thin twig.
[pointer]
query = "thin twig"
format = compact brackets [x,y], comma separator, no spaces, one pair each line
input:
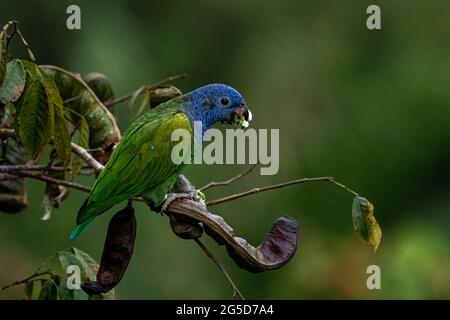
[221,267]
[90,160]
[71,99]
[227,182]
[278,186]
[39,176]
[19,282]
[7,133]
[152,86]
[24,167]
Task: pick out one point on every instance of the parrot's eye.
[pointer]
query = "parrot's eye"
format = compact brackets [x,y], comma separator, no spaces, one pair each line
[224,101]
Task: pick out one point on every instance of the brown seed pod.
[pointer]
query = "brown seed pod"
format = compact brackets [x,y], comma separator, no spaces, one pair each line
[117,252]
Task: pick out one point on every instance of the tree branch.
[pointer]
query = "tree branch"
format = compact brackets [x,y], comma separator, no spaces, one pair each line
[278,186]
[90,160]
[39,176]
[24,167]
[149,87]
[7,133]
[19,282]
[227,182]
[210,255]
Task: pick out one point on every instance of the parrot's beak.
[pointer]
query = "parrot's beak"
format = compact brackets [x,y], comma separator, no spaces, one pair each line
[242,115]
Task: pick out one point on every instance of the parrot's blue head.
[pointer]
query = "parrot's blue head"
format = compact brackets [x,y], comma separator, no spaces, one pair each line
[217,103]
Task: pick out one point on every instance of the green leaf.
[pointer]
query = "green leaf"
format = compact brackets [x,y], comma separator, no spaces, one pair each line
[3,55]
[13,83]
[88,264]
[81,138]
[61,135]
[35,118]
[57,265]
[364,222]
[49,291]
[101,86]
[29,289]
[103,130]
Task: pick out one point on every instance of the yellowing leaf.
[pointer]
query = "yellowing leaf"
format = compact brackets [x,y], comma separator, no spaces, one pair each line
[13,83]
[364,222]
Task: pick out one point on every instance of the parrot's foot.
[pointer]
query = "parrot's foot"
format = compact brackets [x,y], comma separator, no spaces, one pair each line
[171,197]
[153,206]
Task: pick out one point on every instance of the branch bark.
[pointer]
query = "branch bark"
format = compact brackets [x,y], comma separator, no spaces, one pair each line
[86,157]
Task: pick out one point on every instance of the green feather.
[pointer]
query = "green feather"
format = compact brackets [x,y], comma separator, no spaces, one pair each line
[140,164]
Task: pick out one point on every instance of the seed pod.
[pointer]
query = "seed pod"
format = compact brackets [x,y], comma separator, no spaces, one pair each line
[117,252]
[101,86]
[185,228]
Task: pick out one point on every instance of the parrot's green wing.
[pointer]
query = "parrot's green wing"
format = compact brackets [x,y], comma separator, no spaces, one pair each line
[141,161]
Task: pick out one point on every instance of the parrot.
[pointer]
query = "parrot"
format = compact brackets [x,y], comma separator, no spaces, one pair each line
[141,164]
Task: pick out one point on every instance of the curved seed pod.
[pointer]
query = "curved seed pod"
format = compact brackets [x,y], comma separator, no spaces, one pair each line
[117,252]
[162,94]
[278,247]
[185,228]
[101,86]
[79,98]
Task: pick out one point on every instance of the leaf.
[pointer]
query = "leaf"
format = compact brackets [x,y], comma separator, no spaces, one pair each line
[103,130]
[35,116]
[81,138]
[54,193]
[101,86]
[3,55]
[49,291]
[60,130]
[57,265]
[29,289]
[89,265]
[13,83]
[364,222]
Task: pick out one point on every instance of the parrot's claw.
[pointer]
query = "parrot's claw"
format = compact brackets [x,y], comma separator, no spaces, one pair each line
[176,196]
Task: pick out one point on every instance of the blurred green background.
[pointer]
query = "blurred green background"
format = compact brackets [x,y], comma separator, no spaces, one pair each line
[368,107]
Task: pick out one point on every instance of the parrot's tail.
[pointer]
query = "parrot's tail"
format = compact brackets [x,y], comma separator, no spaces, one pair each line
[79,228]
[84,218]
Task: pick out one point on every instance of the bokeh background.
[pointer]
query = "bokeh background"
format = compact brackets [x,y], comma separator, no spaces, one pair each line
[368,107]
